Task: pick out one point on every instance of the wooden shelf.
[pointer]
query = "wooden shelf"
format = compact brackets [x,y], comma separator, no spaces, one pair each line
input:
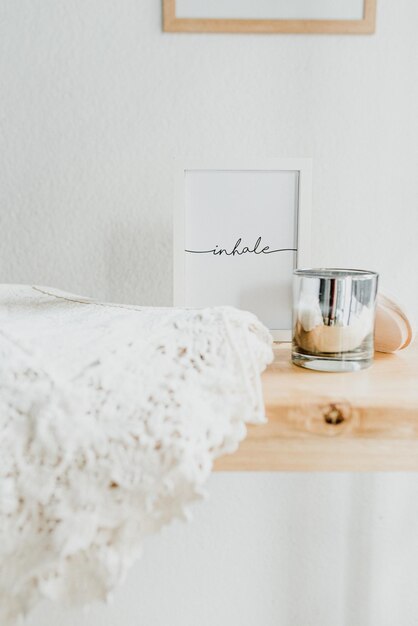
[362,421]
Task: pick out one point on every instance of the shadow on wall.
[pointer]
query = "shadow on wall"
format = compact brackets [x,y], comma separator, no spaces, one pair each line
[139,262]
[332,541]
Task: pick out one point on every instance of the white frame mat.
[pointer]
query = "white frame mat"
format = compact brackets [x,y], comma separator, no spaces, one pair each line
[240,228]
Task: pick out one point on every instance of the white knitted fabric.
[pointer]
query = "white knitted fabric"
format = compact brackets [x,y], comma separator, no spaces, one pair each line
[110,419]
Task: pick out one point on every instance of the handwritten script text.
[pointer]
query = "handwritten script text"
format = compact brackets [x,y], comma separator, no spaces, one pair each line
[237,250]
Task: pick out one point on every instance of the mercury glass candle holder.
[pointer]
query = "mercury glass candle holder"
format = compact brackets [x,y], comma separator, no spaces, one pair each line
[333,319]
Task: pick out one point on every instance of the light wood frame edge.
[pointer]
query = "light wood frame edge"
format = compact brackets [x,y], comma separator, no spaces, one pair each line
[366,26]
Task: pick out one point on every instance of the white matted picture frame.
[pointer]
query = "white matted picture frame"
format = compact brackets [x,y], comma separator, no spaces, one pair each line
[240,229]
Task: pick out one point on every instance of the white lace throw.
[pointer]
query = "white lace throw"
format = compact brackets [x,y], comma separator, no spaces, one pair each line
[110,419]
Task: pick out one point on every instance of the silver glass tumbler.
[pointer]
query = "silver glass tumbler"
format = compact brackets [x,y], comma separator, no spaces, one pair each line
[333,319]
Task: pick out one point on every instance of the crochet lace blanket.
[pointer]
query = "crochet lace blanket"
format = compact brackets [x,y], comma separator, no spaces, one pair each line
[110,419]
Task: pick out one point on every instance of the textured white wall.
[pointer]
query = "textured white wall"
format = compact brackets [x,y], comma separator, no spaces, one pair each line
[276,550]
[95,102]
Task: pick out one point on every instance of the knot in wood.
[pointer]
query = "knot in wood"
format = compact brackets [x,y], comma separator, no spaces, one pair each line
[330,419]
[334,415]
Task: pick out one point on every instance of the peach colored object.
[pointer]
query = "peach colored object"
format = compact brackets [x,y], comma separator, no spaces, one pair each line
[393,330]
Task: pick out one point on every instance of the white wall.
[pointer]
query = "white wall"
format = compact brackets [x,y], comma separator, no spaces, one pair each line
[276,550]
[95,102]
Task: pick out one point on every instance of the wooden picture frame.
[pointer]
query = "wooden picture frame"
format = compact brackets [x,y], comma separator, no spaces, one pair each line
[364,26]
[247,207]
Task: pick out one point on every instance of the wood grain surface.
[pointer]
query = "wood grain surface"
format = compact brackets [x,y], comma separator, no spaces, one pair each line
[360,421]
